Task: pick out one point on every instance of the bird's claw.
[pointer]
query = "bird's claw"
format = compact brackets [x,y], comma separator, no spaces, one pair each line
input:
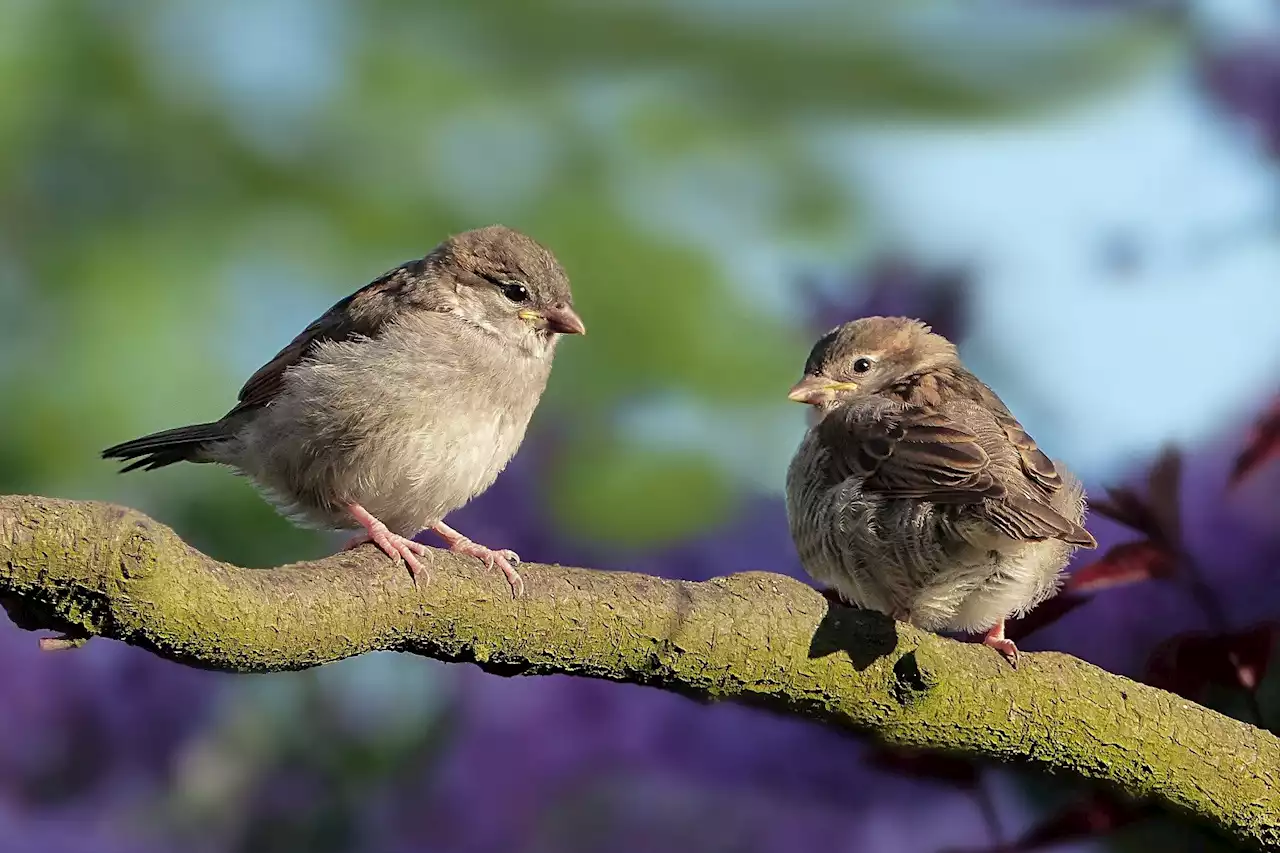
[503,558]
[996,639]
[394,546]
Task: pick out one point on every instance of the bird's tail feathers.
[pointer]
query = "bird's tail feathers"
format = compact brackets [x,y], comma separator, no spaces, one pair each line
[1022,518]
[181,444]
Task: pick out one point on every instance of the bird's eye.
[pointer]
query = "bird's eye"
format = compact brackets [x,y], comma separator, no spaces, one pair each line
[862,365]
[514,291]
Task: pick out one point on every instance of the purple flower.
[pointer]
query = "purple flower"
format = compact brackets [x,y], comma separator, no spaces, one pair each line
[892,286]
[89,737]
[1246,80]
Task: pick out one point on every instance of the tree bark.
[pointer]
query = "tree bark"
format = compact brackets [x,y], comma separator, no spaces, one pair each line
[92,569]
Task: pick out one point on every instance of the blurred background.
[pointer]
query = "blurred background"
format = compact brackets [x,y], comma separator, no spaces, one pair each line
[1083,194]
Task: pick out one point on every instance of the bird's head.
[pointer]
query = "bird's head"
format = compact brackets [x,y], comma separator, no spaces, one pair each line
[509,284]
[868,356]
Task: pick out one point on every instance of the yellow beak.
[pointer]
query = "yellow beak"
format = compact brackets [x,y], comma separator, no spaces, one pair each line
[816,390]
[559,318]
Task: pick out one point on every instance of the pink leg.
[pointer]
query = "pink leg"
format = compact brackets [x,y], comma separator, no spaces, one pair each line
[503,558]
[996,639]
[393,544]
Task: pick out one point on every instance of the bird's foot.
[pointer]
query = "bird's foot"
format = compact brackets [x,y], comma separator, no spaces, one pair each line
[392,544]
[996,639]
[504,558]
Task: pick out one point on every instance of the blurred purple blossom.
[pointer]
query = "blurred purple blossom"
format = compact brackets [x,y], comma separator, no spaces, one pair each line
[87,826]
[891,286]
[1246,80]
[88,737]
[527,749]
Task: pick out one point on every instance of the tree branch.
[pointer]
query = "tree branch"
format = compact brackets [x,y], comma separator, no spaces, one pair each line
[91,569]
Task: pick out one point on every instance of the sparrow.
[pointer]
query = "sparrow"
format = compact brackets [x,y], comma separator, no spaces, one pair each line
[917,493]
[400,403]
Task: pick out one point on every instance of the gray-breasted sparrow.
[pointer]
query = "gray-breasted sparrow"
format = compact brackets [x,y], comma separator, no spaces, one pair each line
[402,402]
[917,493]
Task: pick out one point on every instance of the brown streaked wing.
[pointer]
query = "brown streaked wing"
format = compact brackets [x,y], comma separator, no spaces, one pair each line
[1034,462]
[916,453]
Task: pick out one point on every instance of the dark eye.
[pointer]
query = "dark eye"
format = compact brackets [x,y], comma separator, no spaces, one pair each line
[514,291]
[862,365]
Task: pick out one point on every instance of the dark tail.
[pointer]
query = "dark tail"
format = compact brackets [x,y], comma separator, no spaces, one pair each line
[184,444]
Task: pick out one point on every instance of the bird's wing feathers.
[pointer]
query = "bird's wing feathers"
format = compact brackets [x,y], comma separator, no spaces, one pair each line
[916,453]
[1027,513]
[923,454]
[1035,464]
[363,313]
[1023,517]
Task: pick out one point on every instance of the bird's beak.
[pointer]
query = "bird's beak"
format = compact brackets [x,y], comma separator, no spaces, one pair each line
[816,390]
[559,318]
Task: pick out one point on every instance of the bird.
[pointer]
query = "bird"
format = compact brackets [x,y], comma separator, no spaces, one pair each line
[400,403]
[915,492]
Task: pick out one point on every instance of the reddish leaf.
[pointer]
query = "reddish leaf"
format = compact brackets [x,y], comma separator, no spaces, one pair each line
[1127,563]
[929,766]
[1126,506]
[1262,446]
[1188,663]
[1043,616]
[1164,488]
[1156,513]
[1098,815]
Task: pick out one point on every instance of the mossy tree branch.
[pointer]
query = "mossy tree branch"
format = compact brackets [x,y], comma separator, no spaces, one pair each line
[90,569]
